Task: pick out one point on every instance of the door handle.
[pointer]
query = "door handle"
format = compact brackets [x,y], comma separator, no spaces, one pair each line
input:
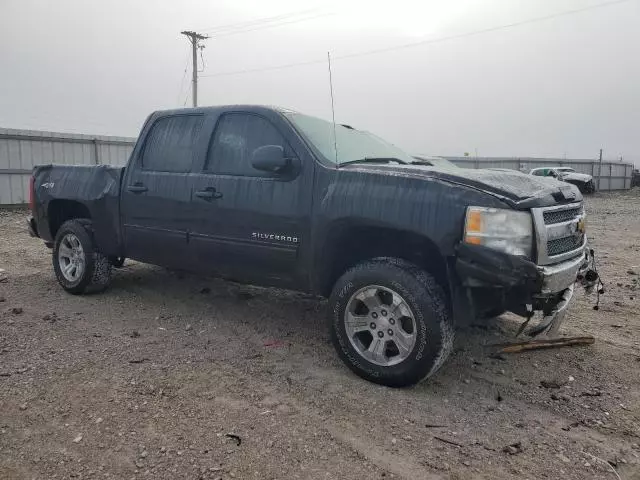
[208,193]
[137,188]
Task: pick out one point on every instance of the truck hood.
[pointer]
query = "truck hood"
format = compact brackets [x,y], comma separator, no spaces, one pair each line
[517,189]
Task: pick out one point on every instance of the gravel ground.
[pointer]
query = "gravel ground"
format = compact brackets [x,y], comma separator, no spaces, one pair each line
[150,379]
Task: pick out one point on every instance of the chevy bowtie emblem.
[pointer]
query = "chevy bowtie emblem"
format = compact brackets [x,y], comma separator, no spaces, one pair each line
[581,226]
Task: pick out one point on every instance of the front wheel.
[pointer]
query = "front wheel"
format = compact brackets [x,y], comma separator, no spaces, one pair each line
[79,267]
[390,323]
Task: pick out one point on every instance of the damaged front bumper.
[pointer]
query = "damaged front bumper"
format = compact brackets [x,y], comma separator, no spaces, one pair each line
[519,284]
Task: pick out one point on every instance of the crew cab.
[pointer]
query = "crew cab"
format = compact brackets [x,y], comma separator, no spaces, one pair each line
[404,250]
[583,181]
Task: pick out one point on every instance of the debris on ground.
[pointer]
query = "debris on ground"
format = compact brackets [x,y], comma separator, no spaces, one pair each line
[135,334]
[188,327]
[234,437]
[16,310]
[139,360]
[611,465]
[498,356]
[570,426]
[591,393]
[50,317]
[546,343]
[513,449]
[275,343]
[450,442]
[242,295]
[78,439]
[554,383]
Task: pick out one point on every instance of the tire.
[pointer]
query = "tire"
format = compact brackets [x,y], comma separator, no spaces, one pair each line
[74,244]
[433,331]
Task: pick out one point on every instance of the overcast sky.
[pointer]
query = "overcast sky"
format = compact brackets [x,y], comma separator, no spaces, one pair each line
[566,86]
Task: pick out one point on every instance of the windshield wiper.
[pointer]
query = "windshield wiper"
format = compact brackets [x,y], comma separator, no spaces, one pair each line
[375,160]
[422,162]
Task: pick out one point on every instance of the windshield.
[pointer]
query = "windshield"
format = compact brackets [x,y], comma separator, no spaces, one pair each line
[351,144]
[565,169]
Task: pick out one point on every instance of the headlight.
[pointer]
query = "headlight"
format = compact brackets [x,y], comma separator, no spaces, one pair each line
[505,230]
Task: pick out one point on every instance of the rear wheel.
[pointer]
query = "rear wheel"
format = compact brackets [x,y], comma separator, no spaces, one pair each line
[390,323]
[78,266]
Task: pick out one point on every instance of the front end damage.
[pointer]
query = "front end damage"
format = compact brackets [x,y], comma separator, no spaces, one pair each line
[494,281]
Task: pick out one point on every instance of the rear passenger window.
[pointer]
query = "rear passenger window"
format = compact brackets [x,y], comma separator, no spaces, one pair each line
[171,142]
[236,137]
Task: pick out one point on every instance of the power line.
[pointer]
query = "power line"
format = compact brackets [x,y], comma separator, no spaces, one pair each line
[186,97]
[201,47]
[423,42]
[184,75]
[488,30]
[272,25]
[264,69]
[233,26]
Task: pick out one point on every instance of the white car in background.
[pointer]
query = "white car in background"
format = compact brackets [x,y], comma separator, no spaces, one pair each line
[567,174]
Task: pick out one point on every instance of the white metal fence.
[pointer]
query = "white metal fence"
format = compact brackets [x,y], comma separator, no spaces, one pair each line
[608,175]
[20,150]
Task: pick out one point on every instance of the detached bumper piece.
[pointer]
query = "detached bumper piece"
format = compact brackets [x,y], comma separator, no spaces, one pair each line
[550,323]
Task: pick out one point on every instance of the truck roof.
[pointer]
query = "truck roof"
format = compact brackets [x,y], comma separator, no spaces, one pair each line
[223,108]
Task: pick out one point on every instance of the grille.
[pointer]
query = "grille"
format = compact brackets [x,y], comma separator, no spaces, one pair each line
[557,216]
[564,245]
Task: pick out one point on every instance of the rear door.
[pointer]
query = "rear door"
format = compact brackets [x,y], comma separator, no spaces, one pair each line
[252,224]
[156,192]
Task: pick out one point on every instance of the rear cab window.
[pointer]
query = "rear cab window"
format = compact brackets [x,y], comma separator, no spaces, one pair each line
[171,143]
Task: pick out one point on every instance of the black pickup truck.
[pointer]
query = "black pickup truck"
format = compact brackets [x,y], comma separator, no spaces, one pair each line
[404,250]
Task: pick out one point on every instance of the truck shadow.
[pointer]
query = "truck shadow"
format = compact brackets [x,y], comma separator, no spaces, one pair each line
[289,329]
[267,319]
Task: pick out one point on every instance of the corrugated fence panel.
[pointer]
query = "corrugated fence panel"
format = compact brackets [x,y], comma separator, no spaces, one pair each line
[614,175]
[21,150]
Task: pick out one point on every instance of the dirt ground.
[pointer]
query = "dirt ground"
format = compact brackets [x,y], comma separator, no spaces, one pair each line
[149,379]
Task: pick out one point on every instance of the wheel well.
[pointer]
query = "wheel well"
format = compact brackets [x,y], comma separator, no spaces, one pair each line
[60,211]
[357,244]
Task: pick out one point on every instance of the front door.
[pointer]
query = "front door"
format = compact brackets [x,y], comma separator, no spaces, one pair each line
[251,223]
[156,192]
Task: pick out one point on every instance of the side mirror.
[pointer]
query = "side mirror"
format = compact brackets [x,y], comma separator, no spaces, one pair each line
[269,158]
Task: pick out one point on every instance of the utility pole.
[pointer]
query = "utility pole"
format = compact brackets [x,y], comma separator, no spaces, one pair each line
[600,170]
[194,39]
